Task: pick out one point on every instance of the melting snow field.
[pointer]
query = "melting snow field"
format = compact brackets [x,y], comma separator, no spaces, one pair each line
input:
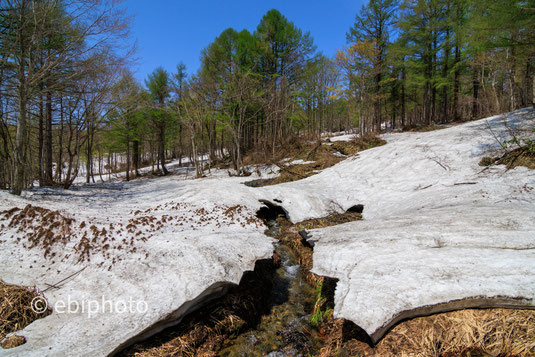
[439,232]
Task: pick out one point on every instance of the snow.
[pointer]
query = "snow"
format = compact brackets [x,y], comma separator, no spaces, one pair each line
[299,162]
[345,137]
[176,267]
[439,232]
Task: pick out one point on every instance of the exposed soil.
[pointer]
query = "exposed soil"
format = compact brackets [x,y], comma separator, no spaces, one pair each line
[323,154]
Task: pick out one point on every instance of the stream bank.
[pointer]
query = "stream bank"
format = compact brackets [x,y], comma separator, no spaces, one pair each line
[279,309]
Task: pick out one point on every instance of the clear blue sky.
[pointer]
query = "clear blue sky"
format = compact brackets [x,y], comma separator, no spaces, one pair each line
[170,31]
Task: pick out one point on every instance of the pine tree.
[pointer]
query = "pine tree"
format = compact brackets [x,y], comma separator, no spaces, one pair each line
[374,23]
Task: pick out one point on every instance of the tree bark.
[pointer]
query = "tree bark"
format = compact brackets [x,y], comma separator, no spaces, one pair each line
[20,136]
[49,166]
[41,139]
[162,149]
[127,157]
[403,75]
[456,84]
[135,147]
[475,91]
[19,144]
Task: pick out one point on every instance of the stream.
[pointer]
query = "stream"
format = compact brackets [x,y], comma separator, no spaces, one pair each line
[285,330]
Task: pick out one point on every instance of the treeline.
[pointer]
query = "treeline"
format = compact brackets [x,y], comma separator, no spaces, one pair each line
[435,61]
[254,94]
[69,105]
[57,61]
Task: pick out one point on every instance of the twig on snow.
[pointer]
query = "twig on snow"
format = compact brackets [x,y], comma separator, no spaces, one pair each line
[444,167]
[56,285]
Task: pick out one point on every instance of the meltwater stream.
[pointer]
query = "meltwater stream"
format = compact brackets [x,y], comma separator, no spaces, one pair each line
[285,329]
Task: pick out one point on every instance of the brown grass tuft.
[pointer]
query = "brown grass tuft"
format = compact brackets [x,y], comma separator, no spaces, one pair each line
[16,310]
[471,332]
[13,341]
[422,127]
[523,156]
[520,157]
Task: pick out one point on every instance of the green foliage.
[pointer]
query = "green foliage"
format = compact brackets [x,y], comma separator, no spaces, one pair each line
[319,315]
[158,85]
[283,46]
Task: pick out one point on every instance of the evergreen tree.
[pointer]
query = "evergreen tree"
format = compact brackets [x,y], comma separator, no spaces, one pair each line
[374,24]
[159,89]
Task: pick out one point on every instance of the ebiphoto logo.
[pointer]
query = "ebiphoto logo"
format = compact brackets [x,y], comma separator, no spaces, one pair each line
[39,305]
[91,307]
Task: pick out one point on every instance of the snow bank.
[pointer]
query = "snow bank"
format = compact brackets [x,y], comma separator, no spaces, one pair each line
[345,137]
[200,241]
[439,232]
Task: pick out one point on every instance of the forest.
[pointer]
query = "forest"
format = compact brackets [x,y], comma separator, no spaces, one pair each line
[70,105]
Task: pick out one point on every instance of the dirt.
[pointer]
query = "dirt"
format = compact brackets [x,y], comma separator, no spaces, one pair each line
[324,154]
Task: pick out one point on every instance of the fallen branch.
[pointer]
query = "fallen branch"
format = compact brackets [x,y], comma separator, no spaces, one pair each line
[422,188]
[56,285]
[313,150]
[444,167]
[464,183]
[495,137]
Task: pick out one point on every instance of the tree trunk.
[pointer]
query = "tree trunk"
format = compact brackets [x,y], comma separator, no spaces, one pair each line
[445,77]
[20,136]
[59,165]
[41,139]
[49,166]
[135,160]
[475,91]
[89,162]
[127,157]
[456,84]
[533,90]
[162,149]
[19,144]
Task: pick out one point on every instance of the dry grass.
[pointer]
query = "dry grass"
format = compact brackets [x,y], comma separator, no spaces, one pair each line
[16,310]
[330,220]
[523,156]
[423,128]
[42,227]
[324,156]
[13,341]
[489,332]
[520,157]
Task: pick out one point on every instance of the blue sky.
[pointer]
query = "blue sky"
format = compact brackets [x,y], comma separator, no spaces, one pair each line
[168,31]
